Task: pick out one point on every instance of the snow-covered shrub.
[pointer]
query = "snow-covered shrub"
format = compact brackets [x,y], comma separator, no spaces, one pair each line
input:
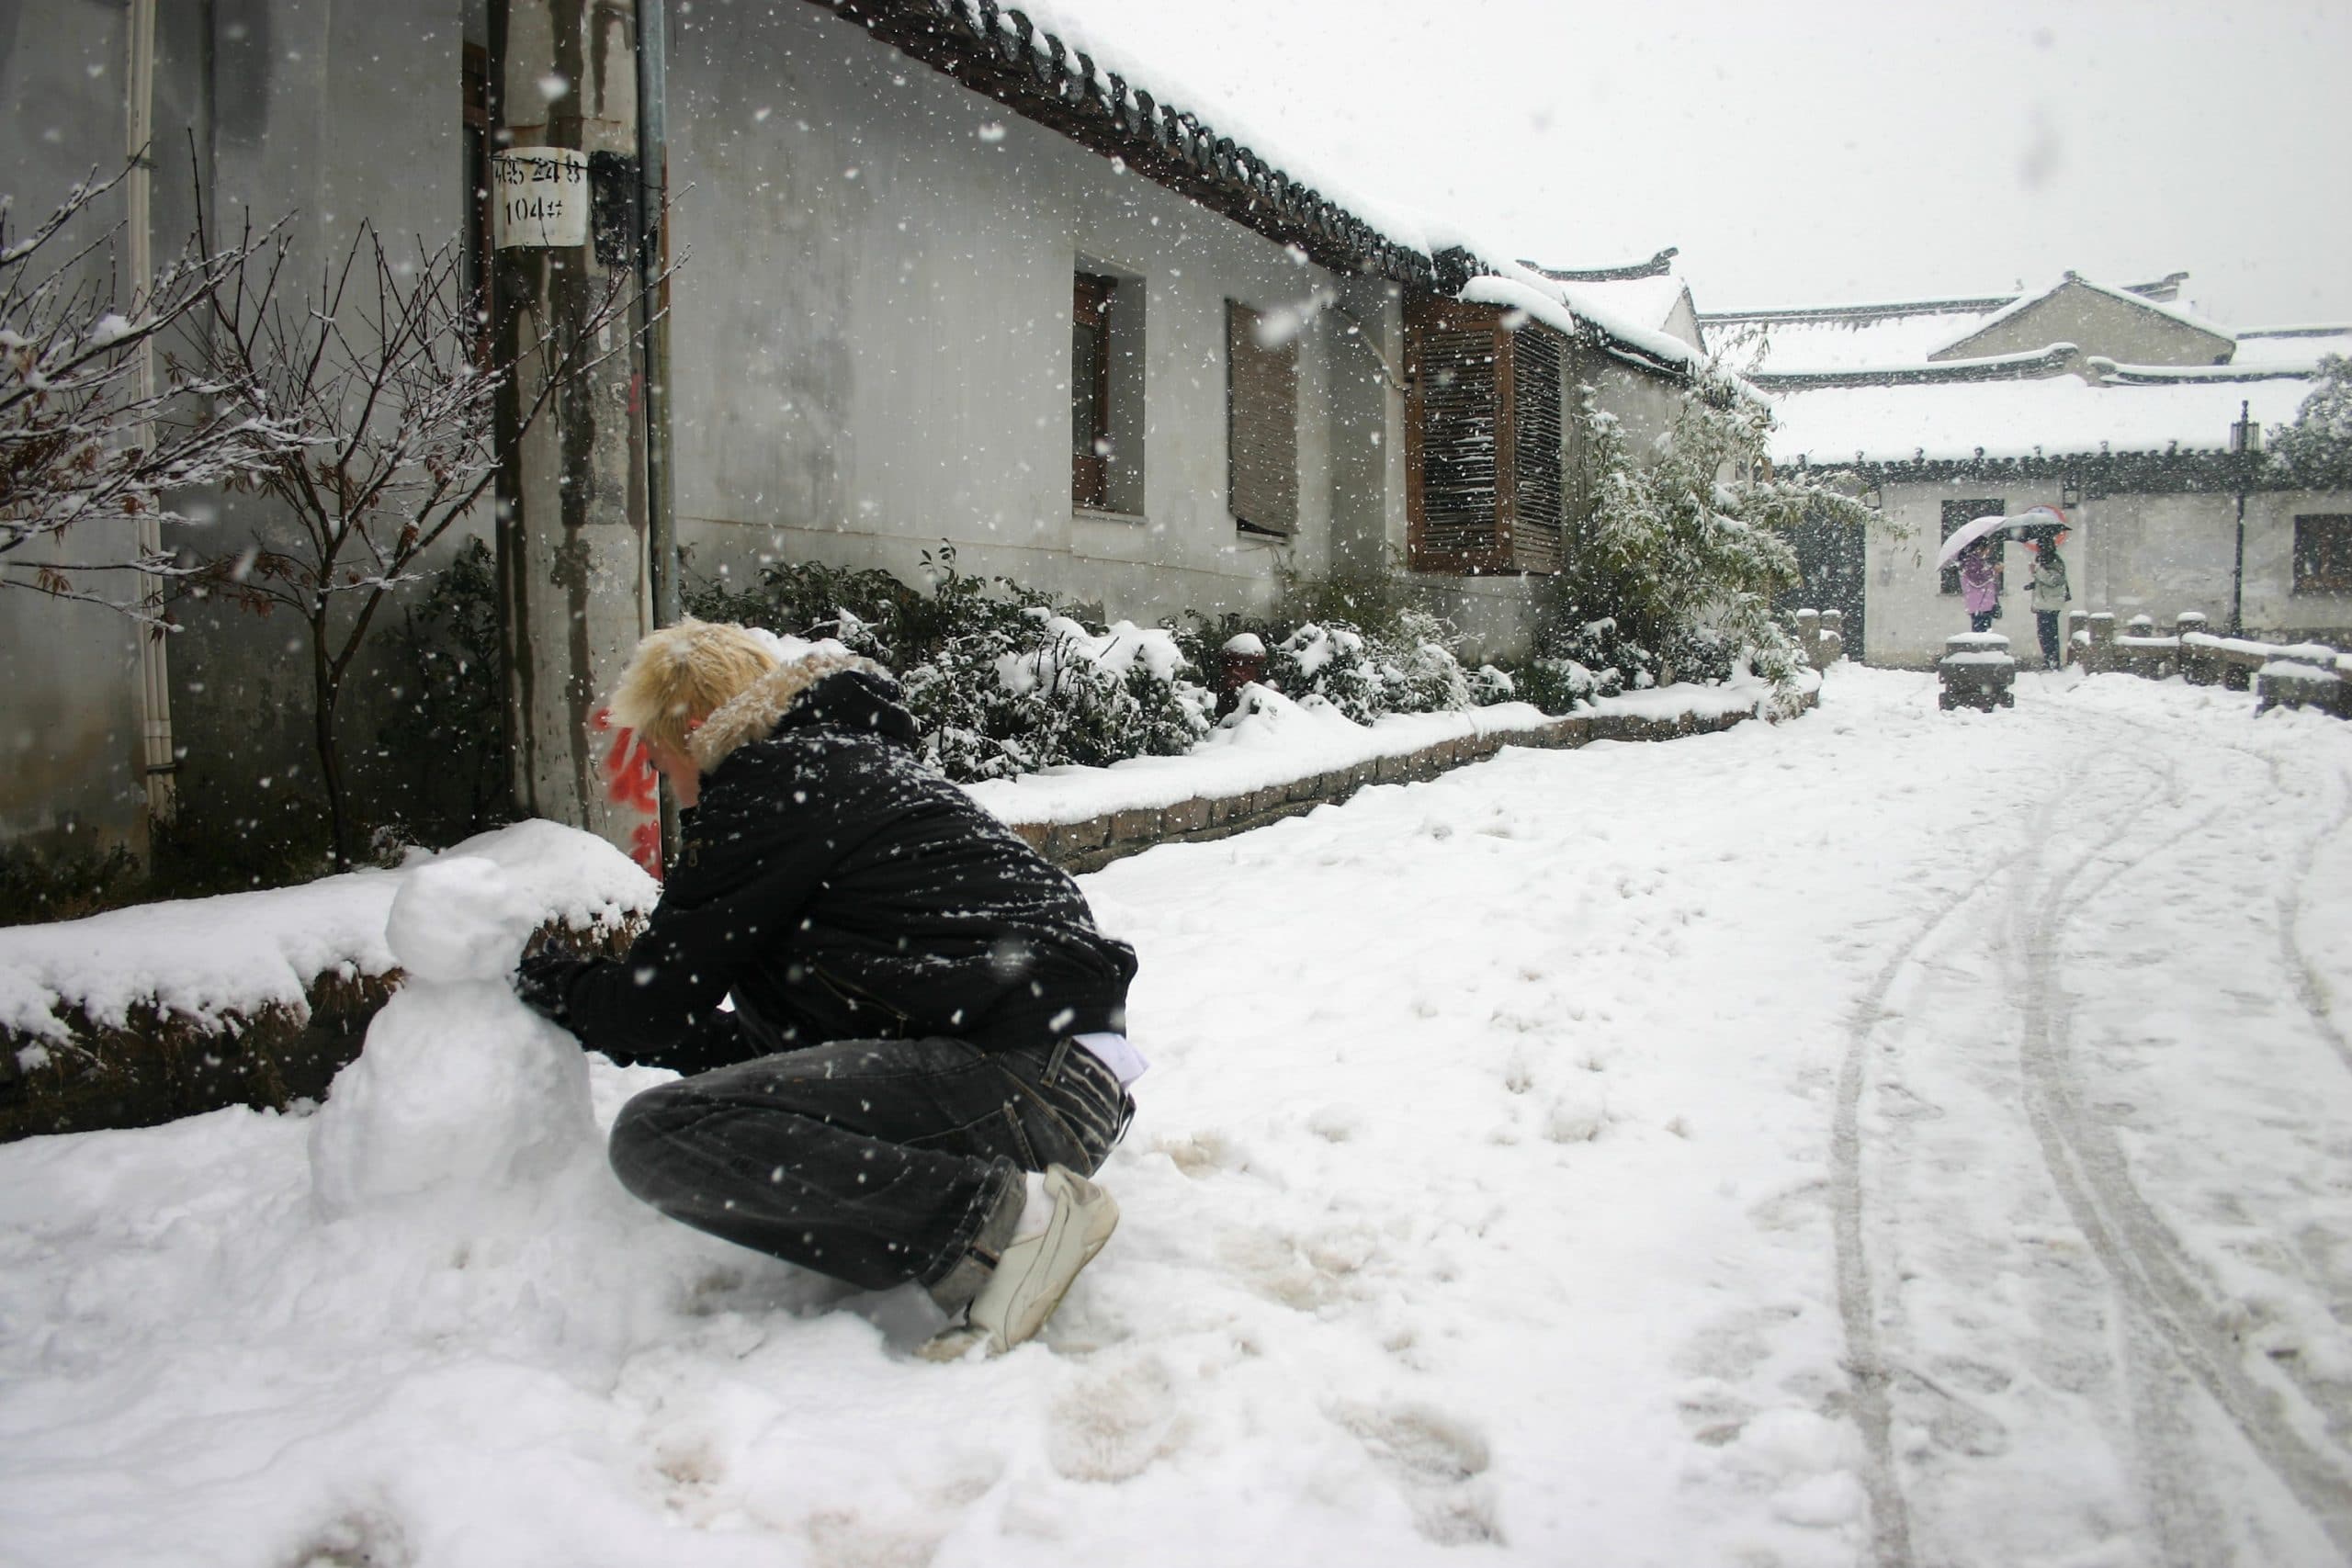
[1489,685]
[2315,451]
[1684,549]
[1334,663]
[869,612]
[1417,670]
[1039,691]
[1000,680]
[1407,666]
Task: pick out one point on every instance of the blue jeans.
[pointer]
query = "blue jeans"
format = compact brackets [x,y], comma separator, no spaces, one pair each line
[875,1161]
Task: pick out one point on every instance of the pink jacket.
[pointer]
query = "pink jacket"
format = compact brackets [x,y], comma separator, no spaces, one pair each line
[1979,582]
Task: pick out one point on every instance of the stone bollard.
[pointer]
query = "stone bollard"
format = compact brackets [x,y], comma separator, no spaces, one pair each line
[2200,665]
[1242,661]
[1833,639]
[2098,657]
[1809,635]
[2078,636]
[1976,671]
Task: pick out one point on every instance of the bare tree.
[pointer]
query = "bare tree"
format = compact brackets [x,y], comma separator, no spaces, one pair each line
[84,438]
[384,363]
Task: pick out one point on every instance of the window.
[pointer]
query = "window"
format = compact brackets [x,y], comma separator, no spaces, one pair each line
[2324,554]
[1957,512]
[1261,425]
[1089,391]
[1484,440]
[1106,392]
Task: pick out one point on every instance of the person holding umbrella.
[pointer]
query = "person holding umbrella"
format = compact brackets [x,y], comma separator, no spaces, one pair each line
[2050,587]
[1980,584]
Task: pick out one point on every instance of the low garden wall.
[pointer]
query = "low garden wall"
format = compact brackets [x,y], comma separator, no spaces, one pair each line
[2302,674]
[143,1049]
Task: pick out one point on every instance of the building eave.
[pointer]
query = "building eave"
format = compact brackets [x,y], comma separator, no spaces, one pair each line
[1002,54]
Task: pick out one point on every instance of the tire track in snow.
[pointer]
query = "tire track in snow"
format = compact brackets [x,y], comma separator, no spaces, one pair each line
[2310,989]
[1866,1364]
[2140,1254]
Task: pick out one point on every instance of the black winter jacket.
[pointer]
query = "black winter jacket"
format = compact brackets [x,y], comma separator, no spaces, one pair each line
[839,889]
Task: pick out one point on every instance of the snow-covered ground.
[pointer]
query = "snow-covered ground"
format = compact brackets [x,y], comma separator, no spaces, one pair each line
[1889,1136]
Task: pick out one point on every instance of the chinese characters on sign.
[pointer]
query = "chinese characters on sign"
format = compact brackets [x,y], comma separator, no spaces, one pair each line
[540,197]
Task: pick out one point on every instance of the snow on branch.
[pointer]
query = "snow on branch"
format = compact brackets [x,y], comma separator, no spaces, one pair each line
[85,438]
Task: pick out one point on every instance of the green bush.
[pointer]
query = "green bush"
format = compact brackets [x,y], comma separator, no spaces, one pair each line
[1002,679]
[444,744]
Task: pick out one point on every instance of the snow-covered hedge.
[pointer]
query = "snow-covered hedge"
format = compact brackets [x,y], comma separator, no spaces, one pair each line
[1006,682]
[1040,690]
[1367,672]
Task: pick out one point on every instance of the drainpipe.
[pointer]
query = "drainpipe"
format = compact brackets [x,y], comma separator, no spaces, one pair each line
[652,252]
[154,660]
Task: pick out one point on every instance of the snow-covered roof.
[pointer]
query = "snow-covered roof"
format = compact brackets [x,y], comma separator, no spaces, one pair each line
[2024,302]
[2057,416]
[1649,301]
[1573,309]
[2300,347]
[1830,343]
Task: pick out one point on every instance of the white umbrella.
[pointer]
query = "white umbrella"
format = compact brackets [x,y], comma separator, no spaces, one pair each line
[1968,533]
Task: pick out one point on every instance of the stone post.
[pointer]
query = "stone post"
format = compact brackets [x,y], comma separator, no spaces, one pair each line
[1809,635]
[1833,639]
[2198,666]
[2077,636]
[573,531]
[2099,657]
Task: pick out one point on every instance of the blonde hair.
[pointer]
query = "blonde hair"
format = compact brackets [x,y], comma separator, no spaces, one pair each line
[680,675]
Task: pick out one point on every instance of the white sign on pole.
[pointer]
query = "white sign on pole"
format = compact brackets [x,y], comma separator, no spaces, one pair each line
[539,196]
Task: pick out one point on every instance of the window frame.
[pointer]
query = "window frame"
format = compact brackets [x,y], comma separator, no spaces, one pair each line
[1441,335]
[1091,300]
[2321,564]
[1262,485]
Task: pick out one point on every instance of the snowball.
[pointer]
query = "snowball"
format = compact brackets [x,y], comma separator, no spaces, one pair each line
[458,919]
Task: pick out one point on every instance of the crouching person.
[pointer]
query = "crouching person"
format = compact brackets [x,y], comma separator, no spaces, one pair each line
[924,1059]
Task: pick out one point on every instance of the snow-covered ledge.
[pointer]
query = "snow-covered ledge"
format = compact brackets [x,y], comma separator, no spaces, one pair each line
[143,1015]
[1286,757]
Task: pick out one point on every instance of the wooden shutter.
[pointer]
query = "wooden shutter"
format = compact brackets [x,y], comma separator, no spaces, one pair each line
[1261,425]
[1538,448]
[1485,463]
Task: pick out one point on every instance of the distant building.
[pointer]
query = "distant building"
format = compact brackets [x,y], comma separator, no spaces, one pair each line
[2114,403]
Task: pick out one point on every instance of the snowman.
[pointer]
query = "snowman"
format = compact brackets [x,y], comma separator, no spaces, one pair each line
[461,1090]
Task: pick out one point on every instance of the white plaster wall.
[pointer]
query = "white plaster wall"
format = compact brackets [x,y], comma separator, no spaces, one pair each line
[1906,614]
[871,338]
[69,764]
[2135,554]
[2097,323]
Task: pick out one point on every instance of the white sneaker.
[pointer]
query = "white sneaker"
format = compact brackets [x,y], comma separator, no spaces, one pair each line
[1035,1272]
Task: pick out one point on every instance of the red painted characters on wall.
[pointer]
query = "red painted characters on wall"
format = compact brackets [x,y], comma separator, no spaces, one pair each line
[630,782]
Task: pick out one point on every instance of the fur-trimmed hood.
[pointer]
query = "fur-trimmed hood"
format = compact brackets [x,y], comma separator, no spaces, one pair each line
[838,688]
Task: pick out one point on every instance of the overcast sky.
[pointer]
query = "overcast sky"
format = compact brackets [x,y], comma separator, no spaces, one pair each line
[1807,151]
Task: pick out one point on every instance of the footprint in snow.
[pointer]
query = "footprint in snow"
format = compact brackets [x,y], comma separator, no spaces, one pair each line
[1115,1421]
[1438,1461]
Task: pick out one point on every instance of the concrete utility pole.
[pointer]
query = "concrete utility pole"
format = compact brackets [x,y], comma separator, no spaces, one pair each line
[572,534]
